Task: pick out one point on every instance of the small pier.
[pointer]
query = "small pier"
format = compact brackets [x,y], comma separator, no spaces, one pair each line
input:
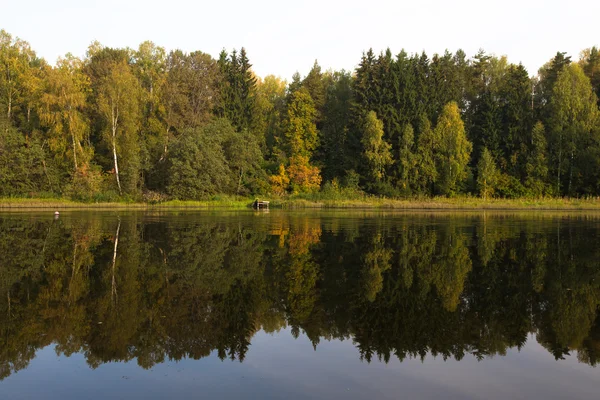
[260,205]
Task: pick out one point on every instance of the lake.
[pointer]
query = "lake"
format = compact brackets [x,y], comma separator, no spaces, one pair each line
[299,305]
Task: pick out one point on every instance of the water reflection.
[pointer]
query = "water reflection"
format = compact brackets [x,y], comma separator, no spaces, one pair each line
[156,287]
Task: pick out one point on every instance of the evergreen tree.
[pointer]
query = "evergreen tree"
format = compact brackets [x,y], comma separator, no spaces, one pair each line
[315,85]
[517,122]
[237,88]
[428,143]
[486,126]
[338,142]
[590,61]
[295,84]
[364,84]
[537,162]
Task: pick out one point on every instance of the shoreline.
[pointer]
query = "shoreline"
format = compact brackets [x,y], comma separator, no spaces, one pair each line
[449,204]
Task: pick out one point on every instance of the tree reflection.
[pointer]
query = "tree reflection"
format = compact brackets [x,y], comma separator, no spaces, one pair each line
[118,289]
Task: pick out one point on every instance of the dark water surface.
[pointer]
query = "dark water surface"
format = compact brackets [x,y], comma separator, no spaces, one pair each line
[299,305]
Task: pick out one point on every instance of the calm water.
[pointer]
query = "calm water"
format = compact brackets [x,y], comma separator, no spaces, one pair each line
[299,305]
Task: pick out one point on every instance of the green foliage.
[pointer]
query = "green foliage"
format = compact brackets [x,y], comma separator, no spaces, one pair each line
[537,162]
[300,132]
[454,149]
[22,165]
[510,187]
[487,174]
[590,62]
[197,164]
[244,158]
[574,118]
[215,159]
[377,151]
[407,160]
[237,88]
[427,143]
[340,145]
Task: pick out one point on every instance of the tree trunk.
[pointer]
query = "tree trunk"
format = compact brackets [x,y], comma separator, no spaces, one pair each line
[115,121]
[46,169]
[9,105]
[166,146]
[114,263]
[74,147]
[240,181]
[571,171]
[558,173]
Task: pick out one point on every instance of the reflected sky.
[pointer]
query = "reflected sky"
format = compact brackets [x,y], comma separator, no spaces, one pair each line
[279,366]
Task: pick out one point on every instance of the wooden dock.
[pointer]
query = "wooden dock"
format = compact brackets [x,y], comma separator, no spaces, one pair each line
[260,205]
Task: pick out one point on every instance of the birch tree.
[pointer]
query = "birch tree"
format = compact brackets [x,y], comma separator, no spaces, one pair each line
[574,115]
[62,111]
[454,148]
[118,104]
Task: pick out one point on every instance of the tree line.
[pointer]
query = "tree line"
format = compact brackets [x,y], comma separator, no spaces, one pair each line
[150,124]
[418,286]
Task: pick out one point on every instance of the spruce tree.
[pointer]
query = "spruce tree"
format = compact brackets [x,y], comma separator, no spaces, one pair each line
[426,173]
[537,161]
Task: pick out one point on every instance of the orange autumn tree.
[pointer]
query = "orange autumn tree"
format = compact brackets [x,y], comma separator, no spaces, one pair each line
[279,182]
[300,139]
[303,176]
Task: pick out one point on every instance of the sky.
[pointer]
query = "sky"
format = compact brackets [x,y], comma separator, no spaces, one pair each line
[282,37]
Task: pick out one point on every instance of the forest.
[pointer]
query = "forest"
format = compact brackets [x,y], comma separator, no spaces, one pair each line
[150,125]
[144,288]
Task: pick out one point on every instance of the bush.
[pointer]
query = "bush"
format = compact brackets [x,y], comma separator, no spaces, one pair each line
[509,187]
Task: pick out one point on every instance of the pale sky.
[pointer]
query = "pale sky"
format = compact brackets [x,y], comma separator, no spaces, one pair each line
[283,36]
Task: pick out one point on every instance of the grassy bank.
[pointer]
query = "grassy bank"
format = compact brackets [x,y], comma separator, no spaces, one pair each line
[317,202]
[27,203]
[461,203]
